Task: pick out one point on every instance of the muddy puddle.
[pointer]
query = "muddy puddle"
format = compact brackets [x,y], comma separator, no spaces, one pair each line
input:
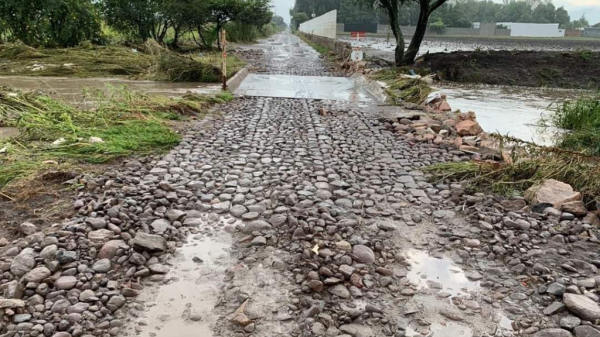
[438,329]
[444,287]
[72,89]
[511,111]
[438,274]
[184,307]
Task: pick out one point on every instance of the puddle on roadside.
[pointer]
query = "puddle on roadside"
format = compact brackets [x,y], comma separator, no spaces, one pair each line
[6,132]
[511,111]
[185,306]
[439,330]
[427,272]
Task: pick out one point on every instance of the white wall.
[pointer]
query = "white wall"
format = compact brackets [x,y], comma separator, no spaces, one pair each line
[534,29]
[324,25]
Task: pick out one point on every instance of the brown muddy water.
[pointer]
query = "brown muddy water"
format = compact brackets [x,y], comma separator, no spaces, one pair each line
[72,89]
[511,111]
[185,305]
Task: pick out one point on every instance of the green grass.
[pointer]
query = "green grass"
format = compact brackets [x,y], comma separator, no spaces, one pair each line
[581,119]
[146,62]
[128,123]
[321,49]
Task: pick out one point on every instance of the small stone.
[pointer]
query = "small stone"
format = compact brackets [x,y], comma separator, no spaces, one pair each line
[363,254]
[102,266]
[150,242]
[27,228]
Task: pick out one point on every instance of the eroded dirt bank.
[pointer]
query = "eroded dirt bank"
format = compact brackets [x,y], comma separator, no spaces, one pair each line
[298,217]
[523,68]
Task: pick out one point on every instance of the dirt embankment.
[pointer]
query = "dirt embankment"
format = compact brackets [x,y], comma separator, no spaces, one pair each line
[576,70]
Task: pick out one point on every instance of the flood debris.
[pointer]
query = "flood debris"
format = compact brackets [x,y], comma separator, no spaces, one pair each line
[149,61]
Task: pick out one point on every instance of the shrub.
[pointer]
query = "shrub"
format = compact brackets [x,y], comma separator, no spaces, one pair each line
[51,23]
[438,27]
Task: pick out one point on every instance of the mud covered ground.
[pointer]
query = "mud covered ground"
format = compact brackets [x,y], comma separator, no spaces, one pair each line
[523,68]
[274,219]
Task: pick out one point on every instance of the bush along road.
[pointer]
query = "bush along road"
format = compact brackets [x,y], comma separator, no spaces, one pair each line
[299,217]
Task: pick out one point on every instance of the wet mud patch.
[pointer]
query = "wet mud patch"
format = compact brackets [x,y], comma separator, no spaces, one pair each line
[259,285]
[524,68]
[185,305]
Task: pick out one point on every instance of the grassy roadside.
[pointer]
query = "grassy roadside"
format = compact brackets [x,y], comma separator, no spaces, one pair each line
[575,159]
[321,49]
[145,62]
[57,136]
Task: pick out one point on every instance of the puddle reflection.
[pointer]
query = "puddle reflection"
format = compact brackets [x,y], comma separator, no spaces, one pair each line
[441,274]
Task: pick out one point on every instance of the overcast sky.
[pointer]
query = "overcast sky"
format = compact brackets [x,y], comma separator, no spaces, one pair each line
[591,8]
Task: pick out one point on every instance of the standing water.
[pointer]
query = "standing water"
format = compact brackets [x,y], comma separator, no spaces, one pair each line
[510,111]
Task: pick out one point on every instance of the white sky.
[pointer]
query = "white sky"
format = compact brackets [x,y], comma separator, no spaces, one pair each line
[282,8]
[591,8]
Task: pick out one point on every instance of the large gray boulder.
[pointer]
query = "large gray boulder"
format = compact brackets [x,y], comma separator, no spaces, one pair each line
[553,333]
[553,192]
[582,306]
[149,242]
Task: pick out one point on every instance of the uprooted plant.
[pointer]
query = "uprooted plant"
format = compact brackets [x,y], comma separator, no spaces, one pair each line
[55,134]
[149,61]
[529,165]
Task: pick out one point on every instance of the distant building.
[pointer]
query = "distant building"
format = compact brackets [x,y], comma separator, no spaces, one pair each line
[530,29]
[534,29]
[591,32]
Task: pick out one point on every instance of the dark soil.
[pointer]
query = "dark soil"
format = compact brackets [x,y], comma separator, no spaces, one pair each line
[43,210]
[574,70]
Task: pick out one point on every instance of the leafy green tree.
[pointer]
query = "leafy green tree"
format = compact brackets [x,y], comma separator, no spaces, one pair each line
[544,13]
[51,23]
[142,19]
[562,16]
[279,22]
[580,23]
[394,9]
[298,19]
[350,12]
[597,25]
[317,7]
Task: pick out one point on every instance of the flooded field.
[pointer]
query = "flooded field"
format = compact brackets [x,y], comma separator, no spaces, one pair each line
[510,111]
[384,47]
[72,89]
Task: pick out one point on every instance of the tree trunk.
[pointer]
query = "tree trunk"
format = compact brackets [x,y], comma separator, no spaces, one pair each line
[393,11]
[417,39]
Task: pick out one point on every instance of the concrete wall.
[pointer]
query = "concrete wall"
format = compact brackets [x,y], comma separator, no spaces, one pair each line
[383,30]
[591,32]
[342,50]
[324,25]
[534,29]
[487,29]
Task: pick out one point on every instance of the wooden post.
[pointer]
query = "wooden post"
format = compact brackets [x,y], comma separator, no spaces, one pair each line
[224,66]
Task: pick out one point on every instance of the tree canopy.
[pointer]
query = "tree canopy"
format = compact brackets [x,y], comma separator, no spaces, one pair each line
[55,23]
[65,23]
